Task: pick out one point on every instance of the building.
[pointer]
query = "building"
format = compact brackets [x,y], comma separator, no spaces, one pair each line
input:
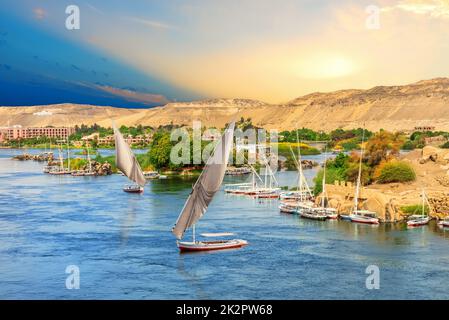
[19,132]
[424,128]
[435,141]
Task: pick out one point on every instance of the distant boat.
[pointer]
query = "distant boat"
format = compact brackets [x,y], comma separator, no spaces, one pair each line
[201,196]
[61,170]
[324,209]
[85,173]
[126,161]
[303,192]
[151,175]
[444,223]
[362,216]
[423,219]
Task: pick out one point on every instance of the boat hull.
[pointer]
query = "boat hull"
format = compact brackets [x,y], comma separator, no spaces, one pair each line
[211,245]
[417,223]
[133,190]
[364,220]
[313,216]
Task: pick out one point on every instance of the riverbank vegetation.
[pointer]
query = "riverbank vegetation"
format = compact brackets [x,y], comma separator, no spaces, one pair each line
[415,209]
[380,163]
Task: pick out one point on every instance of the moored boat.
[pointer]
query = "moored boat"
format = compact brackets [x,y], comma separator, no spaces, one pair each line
[288,208]
[444,223]
[364,216]
[423,219]
[418,222]
[312,214]
[361,216]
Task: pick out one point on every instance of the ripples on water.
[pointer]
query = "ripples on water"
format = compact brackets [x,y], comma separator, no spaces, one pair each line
[125,250]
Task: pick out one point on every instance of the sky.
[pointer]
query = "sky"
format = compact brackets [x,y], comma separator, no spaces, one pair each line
[144,53]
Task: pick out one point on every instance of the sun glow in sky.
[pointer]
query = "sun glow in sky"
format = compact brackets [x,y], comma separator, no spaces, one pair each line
[150,52]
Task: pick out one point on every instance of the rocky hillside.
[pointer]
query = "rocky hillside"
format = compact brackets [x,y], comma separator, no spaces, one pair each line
[425,103]
[60,115]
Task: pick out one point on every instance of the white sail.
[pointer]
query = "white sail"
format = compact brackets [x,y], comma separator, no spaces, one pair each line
[207,184]
[125,159]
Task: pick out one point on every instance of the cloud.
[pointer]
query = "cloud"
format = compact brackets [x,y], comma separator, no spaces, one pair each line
[135,96]
[95,9]
[150,23]
[432,8]
[39,13]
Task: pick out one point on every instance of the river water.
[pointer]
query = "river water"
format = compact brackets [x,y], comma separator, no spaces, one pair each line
[124,249]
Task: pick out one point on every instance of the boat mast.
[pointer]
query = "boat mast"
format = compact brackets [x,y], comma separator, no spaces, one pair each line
[357,190]
[88,160]
[61,161]
[324,180]
[68,154]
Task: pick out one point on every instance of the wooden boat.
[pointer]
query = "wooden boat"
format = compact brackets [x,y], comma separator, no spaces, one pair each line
[211,245]
[444,223]
[313,215]
[151,175]
[288,208]
[295,195]
[268,194]
[331,213]
[201,196]
[237,171]
[133,189]
[127,163]
[418,222]
[323,209]
[362,216]
[423,219]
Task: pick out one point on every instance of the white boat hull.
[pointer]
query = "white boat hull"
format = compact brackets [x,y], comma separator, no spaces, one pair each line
[210,245]
[361,219]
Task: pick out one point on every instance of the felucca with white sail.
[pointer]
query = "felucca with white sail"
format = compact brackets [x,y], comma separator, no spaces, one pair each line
[201,196]
[361,216]
[126,161]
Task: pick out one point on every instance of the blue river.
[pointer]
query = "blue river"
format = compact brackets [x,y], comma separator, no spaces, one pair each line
[124,249]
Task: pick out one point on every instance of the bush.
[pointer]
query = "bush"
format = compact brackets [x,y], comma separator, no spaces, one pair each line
[415,209]
[332,175]
[395,171]
[445,145]
[408,145]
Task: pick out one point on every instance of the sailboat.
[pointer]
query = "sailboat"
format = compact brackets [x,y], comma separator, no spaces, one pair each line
[61,170]
[331,213]
[85,173]
[303,193]
[423,219]
[201,196]
[362,216]
[246,187]
[126,161]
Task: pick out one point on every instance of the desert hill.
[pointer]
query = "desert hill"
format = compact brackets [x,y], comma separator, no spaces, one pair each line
[425,103]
